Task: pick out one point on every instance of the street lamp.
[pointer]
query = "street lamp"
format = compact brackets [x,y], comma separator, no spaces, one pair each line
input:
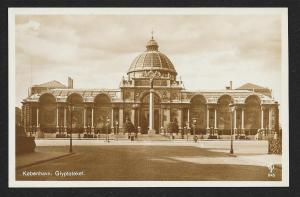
[71,108]
[194,128]
[107,124]
[232,108]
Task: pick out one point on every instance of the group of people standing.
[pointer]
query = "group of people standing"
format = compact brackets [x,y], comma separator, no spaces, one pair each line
[131,130]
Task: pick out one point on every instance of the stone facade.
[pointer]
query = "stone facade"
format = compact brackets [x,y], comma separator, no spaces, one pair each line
[151,97]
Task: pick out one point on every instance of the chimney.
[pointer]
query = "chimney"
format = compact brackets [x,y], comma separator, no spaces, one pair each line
[230,85]
[70,83]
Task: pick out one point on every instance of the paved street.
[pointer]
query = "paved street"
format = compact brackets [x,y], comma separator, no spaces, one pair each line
[185,162]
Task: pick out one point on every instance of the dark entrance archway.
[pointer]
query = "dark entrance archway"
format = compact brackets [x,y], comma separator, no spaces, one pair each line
[102,111]
[252,114]
[224,115]
[198,111]
[76,101]
[47,116]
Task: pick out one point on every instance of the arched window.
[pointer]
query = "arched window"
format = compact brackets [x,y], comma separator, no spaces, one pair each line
[198,111]
[47,112]
[76,101]
[252,112]
[224,112]
[102,111]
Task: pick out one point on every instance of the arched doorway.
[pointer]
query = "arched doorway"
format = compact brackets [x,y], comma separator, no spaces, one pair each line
[223,114]
[198,111]
[102,111]
[47,114]
[76,101]
[252,114]
[144,113]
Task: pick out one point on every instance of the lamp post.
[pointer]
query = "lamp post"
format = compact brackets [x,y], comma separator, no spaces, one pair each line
[232,108]
[107,124]
[194,128]
[71,116]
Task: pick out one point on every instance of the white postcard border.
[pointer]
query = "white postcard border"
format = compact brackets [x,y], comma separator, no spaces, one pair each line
[284,105]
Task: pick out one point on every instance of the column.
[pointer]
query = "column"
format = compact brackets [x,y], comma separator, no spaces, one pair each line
[262,118]
[276,123]
[207,118]
[92,119]
[120,119]
[243,111]
[27,118]
[65,119]
[188,120]
[161,119]
[270,121]
[30,115]
[179,119]
[138,121]
[138,116]
[151,112]
[38,130]
[37,118]
[112,118]
[188,117]
[234,121]
[84,118]
[24,117]
[57,113]
[215,126]
[132,116]
[270,118]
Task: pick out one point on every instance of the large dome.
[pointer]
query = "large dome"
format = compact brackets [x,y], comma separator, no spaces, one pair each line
[152,59]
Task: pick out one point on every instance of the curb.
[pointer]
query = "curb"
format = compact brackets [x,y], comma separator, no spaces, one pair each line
[42,161]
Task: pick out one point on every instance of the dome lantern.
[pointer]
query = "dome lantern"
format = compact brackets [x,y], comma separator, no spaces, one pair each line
[152,45]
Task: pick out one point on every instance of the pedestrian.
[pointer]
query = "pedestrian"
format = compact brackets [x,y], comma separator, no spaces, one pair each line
[131,130]
[128,127]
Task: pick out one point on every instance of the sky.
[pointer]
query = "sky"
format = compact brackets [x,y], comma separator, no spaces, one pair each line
[207,51]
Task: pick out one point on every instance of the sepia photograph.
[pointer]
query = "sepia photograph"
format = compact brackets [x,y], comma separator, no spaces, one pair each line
[147,97]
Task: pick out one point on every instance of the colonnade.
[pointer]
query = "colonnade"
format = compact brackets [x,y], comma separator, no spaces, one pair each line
[65,108]
[234,117]
[151,114]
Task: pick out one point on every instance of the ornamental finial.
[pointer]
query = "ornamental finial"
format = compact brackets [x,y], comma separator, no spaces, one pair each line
[152,32]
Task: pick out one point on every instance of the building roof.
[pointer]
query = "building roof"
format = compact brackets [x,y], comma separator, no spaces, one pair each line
[250,86]
[152,59]
[212,97]
[51,85]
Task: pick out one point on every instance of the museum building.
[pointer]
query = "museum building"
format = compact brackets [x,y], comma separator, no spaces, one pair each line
[151,96]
